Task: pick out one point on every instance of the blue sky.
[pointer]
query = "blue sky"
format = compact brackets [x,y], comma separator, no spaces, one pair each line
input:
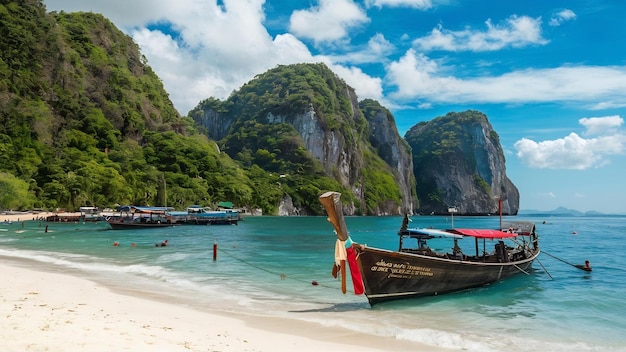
[549,75]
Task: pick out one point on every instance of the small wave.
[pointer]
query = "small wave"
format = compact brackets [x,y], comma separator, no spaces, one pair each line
[91,264]
[155,277]
[173,257]
[443,339]
[493,342]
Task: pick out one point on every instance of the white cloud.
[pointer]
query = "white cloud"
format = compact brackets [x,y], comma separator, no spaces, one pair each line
[327,22]
[515,31]
[417,4]
[574,152]
[416,75]
[604,105]
[379,45]
[562,16]
[601,125]
[418,78]
[376,51]
[368,86]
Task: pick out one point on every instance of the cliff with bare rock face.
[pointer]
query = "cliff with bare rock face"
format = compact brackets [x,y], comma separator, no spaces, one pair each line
[459,163]
[305,124]
[395,151]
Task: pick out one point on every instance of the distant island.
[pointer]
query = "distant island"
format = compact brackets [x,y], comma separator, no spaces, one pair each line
[563,212]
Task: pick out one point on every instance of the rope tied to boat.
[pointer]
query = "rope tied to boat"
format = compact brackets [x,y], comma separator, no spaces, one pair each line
[520,269]
[281,275]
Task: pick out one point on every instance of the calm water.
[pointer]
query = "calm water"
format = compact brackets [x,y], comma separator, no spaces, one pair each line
[266,266]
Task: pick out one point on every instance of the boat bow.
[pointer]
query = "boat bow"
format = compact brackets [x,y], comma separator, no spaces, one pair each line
[344,250]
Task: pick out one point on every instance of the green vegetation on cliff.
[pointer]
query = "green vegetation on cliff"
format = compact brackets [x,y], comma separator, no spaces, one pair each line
[85,121]
[448,143]
[263,135]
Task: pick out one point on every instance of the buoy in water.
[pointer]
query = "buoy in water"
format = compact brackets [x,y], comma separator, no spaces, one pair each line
[314,283]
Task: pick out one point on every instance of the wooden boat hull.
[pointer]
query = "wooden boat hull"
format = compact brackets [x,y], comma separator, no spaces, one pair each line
[389,275]
[125,225]
[200,216]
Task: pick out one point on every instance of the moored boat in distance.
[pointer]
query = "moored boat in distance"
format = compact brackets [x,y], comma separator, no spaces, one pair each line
[197,215]
[91,214]
[416,270]
[133,217]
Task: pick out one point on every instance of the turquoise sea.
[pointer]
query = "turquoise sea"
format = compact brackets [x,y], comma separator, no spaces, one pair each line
[266,266]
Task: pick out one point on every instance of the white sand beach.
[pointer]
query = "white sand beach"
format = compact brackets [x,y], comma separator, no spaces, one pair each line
[43,310]
[15,218]
[24,216]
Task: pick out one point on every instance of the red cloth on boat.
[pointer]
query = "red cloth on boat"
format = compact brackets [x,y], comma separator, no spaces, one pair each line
[357,281]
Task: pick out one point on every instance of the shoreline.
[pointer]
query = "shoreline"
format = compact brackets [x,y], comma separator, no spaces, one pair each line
[48,310]
[28,216]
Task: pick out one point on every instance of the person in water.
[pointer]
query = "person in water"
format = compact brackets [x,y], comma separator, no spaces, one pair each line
[163,244]
[586,267]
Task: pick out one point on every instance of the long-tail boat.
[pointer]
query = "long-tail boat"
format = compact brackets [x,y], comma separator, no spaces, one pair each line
[416,270]
[134,217]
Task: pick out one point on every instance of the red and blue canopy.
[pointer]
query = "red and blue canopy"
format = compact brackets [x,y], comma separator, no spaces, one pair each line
[483,233]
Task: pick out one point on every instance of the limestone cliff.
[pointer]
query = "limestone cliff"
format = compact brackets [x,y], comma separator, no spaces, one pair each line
[305,111]
[394,150]
[459,163]
[217,123]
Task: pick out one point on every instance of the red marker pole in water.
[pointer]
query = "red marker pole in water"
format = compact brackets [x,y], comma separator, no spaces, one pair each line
[215,251]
